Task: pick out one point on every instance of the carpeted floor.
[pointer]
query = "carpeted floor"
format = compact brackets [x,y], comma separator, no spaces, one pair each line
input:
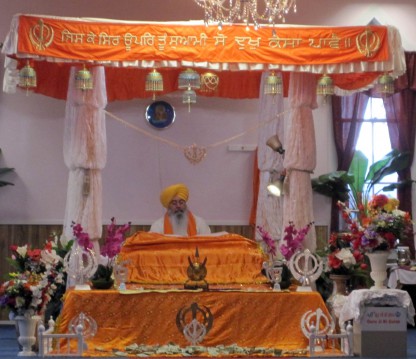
[9,346]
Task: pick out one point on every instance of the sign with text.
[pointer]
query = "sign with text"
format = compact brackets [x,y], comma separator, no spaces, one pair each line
[384,319]
[100,40]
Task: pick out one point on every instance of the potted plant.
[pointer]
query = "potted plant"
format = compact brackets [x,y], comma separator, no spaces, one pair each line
[356,184]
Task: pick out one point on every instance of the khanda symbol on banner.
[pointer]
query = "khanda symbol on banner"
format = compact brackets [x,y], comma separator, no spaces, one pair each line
[41,35]
[368,43]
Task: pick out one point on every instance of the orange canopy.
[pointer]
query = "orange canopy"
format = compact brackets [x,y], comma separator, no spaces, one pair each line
[354,56]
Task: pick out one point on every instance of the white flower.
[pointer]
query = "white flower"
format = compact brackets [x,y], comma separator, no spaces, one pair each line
[346,257]
[20,302]
[50,258]
[398,213]
[22,250]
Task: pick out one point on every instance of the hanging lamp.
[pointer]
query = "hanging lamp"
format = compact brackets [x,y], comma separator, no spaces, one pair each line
[83,79]
[27,77]
[188,97]
[209,82]
[154,82]
[325,86]
[273,84]
[189,78]
[190,81]
[385,85]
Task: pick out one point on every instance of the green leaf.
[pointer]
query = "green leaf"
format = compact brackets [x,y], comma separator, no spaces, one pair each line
[5,183]
[391,163]
[358,170]
[5,170]
[333,184]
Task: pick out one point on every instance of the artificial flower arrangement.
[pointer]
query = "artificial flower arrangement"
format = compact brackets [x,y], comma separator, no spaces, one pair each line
[342,258]
[378,226]
[293,242]
[34,284]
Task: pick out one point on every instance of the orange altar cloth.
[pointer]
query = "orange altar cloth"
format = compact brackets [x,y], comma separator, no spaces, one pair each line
[256,318]
[158,259]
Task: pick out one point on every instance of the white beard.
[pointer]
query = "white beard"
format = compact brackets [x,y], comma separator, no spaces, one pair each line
[179,223]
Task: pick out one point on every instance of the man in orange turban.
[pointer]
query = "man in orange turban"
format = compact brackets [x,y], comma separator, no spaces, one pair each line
[178,219]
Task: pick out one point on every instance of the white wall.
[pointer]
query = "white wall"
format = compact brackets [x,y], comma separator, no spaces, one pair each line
[138,166]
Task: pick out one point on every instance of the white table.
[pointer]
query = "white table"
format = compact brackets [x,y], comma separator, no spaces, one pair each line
[358,299]
[401,275]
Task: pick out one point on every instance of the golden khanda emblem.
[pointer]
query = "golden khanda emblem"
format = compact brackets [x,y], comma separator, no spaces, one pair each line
[368,43]
[196,272]
[41,35]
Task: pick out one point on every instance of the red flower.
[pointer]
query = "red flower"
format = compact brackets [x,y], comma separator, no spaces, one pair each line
[333,261]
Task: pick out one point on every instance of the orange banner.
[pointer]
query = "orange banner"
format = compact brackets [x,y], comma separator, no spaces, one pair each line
[88,40]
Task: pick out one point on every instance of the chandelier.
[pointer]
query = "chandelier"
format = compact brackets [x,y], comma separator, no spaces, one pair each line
[249,12]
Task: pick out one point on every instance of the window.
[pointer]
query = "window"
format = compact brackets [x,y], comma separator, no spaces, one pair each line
[374,140]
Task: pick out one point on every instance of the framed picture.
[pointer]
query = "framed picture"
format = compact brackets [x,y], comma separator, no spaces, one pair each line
[160,114]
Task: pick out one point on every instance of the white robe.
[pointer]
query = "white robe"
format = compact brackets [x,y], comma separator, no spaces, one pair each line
[201,226]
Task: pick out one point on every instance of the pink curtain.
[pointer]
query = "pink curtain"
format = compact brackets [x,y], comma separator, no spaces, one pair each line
[85,154]
[300,156]
[269,208]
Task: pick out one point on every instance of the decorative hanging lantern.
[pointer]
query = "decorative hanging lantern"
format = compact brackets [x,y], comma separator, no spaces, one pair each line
[27,77]
[385,85]
[209,82]
[189,96]
[83,79]
[325,86]
[273,84]
[189,79]
[154,82]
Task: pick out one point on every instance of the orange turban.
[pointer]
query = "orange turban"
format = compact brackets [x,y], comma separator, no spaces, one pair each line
[170,192]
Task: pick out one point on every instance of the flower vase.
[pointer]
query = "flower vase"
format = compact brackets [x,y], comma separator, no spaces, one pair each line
[27,334]
[338,297]
[378,262]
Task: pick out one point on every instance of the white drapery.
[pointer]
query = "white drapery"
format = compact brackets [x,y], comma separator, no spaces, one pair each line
[271,119]
[85,154]
[300,155]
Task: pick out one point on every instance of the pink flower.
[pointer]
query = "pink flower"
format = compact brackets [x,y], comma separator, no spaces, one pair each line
[82,238]
[268,240]
[114,239]
[293,239]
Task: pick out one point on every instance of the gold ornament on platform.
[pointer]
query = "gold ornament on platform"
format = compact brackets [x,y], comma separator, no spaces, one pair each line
[27,77]
[209,82]
[154,82]
[273,84]
[196,273]
[194,153]
[83,79]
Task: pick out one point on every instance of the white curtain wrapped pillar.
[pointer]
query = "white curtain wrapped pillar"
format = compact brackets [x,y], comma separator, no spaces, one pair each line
[300,155]
[85,154]
[269,213]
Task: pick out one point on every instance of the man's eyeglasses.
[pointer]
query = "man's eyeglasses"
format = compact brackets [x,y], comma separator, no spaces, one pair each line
[181,202]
